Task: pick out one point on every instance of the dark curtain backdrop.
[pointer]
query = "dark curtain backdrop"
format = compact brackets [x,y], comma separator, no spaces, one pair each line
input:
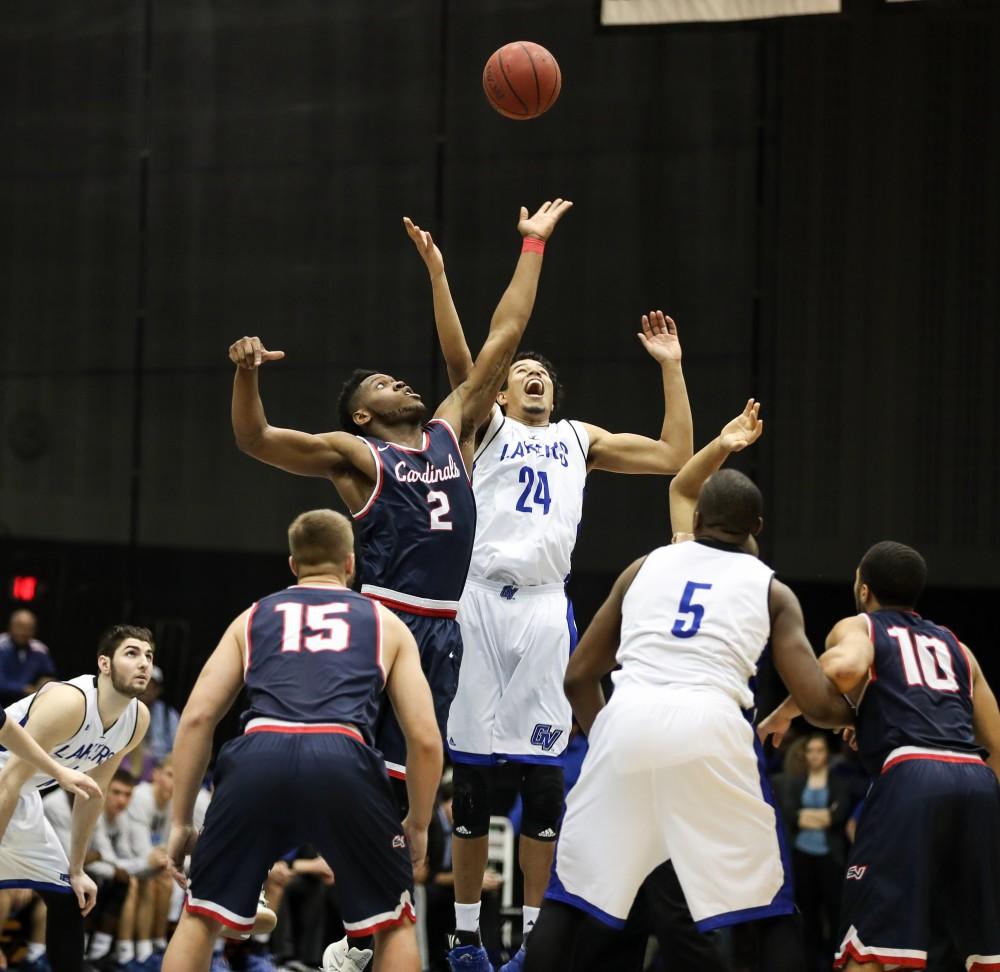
[815,201]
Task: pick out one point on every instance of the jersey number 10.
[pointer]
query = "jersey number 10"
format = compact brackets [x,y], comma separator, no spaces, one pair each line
[926,660]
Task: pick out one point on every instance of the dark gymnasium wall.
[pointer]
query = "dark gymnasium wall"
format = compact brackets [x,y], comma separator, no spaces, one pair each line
[815,200]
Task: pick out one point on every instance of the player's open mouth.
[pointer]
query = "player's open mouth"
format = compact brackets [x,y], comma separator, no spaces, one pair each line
[534,386]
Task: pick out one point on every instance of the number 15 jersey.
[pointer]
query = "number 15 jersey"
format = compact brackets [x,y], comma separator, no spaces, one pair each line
[529,483]
[697,613]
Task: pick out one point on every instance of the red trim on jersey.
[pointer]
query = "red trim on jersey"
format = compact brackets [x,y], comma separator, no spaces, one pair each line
[308,730]
[934,759]
[399,606]
[990,966]
[865,957]
[407,914]
[454,438]
[217,916]
[379,480]
[378,641]
[249,636]
[965,654]
[395,774]
[872,677]
[410,449]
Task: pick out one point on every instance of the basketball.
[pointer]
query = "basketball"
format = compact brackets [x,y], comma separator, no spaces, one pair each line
[522,80]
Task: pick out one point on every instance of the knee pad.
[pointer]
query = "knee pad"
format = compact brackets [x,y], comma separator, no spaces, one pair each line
[543,792]
[471,805]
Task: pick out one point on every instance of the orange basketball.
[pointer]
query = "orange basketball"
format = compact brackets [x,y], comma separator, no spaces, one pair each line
[522,80]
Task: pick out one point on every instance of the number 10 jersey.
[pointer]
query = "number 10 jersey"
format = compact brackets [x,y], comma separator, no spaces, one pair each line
[529,483]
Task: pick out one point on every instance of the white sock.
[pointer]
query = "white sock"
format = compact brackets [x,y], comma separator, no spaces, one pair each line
[160,944]
[125,952]
[263,938]
[467,916]
[100,945]
[530,917]
[143,950]
[35,951]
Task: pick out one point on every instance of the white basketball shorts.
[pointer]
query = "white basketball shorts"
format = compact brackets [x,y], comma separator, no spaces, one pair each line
[671,774]
[30,853]
[510,702]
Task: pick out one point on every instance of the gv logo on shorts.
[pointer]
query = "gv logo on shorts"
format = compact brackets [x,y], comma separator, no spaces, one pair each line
[856,872]
[399,841]
[545,736]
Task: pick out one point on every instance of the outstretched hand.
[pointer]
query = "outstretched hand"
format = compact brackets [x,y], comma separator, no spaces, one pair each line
[775,725]
[659,337]
[544,220]
[743,430]
[249,353]
[426,247]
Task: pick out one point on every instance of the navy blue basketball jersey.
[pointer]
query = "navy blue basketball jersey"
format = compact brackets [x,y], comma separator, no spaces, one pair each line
[314,655]
[919,692]
[418,525]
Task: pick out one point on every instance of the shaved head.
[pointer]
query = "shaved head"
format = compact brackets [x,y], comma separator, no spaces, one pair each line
[320,538]
[730,503]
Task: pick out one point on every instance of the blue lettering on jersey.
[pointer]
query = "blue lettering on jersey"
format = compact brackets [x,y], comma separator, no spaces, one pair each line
[97,752]
[558,451]
[545,736]
[508,591]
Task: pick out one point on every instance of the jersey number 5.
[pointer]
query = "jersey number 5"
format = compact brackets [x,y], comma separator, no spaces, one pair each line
[329,633]
[926,660]
[689,614]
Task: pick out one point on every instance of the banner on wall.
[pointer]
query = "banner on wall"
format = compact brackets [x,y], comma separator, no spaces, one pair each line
[622,13]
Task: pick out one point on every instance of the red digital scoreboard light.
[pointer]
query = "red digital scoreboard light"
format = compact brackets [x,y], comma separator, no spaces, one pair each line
[24,588]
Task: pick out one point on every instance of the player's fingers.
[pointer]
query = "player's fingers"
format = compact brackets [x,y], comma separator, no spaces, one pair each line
[273,355]
[670,324]
[524,212]
[247,352]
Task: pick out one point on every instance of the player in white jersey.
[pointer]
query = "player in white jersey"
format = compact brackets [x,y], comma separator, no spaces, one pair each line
[517,627]
[86,725]
[671,773]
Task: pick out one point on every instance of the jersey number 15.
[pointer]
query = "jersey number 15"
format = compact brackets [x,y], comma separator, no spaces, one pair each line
[329,633]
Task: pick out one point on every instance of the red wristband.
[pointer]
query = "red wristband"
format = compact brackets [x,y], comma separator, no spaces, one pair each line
[532,244]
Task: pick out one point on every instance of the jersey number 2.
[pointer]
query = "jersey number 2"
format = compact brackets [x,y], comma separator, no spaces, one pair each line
[926,660]
[329,633]
[689,614]
[440,508]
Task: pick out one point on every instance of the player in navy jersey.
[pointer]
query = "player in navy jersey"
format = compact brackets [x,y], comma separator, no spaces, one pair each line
[924,868]
[315,659]
[403,478]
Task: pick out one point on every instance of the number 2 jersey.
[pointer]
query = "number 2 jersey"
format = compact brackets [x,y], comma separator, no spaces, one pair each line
[418,526]
[529,483]
[314,656]
[919,692]
[697,613]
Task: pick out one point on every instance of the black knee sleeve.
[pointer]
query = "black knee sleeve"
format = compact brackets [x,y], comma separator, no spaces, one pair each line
[543,792]
[471,804]
[63,932]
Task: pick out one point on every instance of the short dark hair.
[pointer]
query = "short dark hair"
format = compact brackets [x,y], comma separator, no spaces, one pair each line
[731,502]
[118,633]
[122,775]
[347,403]
[558,392]
[895,573]
[320,537]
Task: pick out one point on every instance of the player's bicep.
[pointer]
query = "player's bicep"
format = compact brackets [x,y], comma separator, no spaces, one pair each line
[849,654]
[220,680]
[985,711]
[307,454]
[407,688]
[471,403]
[598,647]
[626,452]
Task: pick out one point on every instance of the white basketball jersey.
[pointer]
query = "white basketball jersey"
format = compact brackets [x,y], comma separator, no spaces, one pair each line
[696,615]
[92,744]
[528,482]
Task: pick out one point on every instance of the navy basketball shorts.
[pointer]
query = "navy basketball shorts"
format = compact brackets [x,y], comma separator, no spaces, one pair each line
[278,790]
[925,865]
[439,641]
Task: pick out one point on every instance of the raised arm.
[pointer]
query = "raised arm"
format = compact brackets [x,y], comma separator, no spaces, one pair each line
[595,654]
[451,337]
[469,405]
[985,714]
[410,696]
[296,452]
[213,694]
[735,436]
[813,694]
[625,452]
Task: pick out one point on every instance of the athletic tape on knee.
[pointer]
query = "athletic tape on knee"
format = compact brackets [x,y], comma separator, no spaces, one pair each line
[543,793]
[471,804]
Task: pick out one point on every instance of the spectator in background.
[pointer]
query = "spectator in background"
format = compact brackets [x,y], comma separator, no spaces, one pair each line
[816,805]
[25,663]
[121,860]
[159,741]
